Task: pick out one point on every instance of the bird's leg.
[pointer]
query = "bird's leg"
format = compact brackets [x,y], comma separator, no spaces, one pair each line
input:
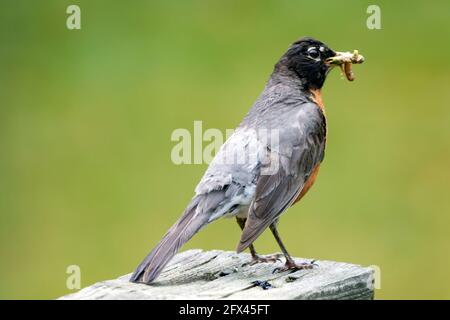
[290,263]
[255,257]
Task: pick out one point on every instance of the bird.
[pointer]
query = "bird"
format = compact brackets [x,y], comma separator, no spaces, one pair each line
[268,164]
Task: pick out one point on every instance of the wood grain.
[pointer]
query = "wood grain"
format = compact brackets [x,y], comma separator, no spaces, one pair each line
[197,274]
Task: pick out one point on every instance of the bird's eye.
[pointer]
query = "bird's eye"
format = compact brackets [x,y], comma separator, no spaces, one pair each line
[313,53]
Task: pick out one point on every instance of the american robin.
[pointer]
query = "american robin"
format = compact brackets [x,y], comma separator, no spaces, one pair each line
[275,175]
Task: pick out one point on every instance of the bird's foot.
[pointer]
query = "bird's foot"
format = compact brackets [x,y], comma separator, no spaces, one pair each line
[264,259]
[292,266]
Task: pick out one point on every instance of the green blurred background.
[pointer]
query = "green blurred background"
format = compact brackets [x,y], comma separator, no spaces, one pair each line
[86,118]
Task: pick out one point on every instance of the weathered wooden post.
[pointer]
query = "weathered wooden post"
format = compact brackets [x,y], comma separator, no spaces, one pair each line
[197,274]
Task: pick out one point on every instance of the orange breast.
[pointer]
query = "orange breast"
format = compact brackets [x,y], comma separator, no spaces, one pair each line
[317,97]
[309,183]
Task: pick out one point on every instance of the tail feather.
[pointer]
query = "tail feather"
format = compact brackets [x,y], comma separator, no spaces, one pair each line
[192,220]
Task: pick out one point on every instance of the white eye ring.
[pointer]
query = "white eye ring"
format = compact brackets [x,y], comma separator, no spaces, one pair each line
[313,53]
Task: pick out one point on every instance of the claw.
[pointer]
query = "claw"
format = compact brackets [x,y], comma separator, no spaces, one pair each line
[292,266]
[264,259]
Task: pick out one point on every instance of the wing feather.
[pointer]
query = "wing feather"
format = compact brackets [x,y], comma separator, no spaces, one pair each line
[301,148]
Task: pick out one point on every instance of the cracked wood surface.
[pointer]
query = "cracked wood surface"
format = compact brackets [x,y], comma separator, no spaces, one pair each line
[197,274]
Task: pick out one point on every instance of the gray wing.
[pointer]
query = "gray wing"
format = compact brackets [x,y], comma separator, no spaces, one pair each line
[300,149]
[233,172]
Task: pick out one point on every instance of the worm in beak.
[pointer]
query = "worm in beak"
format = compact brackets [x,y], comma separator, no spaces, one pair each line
[345,60]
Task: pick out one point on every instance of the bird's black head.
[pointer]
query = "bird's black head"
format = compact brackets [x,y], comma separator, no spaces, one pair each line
[306,59]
